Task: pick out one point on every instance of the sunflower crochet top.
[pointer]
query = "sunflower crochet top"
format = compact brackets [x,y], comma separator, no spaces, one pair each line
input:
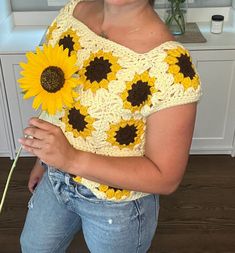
[118,89]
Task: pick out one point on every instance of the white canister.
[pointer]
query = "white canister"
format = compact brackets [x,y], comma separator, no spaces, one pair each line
[217,22]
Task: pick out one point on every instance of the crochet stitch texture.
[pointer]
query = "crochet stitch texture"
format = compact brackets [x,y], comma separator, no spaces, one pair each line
[118,89]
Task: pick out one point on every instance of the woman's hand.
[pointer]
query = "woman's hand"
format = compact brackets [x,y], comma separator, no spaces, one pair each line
[48,143]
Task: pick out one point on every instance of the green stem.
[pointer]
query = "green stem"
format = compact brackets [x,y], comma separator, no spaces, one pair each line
[182,29]
[181,15]
[176,14]
[10,174]
[9,179]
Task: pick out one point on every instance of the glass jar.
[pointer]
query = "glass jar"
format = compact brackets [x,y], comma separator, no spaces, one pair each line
[217,22]
[175,16]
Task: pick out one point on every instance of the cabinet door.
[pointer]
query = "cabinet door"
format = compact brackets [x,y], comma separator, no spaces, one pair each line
[215,123]
[20,109]
[5,127]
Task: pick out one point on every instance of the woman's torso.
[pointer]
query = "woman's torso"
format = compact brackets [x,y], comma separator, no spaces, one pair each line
[118,89]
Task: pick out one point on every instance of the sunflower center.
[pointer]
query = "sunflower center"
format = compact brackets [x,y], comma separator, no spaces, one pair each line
[52,79]
[185,65]
[139,93]
[77,120]
[98,69]
[126,135]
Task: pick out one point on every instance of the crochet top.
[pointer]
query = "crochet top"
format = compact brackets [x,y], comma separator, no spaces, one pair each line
[118,89]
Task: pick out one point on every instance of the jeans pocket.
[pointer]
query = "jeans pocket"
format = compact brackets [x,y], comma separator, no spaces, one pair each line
[84,193]
[30,202]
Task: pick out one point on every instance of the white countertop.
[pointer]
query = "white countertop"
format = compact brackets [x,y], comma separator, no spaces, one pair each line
[223,41]
[22,37]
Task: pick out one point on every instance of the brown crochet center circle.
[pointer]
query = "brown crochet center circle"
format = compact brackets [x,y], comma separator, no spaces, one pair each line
[185,65]
[139,93]
[77,120]
[98,69]
[126,135]
[67,42]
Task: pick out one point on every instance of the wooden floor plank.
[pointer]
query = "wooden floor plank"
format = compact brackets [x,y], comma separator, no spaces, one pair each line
[198,218]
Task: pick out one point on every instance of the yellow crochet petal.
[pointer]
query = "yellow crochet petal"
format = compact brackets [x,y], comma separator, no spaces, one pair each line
[110,193]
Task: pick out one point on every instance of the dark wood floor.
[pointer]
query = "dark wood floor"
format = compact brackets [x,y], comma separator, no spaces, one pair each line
[198,218]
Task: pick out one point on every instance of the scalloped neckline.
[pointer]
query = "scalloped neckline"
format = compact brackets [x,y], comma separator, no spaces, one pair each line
[84,26]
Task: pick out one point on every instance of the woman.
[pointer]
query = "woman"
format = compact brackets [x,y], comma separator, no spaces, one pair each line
[125,141]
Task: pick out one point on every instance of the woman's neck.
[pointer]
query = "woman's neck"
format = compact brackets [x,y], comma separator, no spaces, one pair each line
[126,15]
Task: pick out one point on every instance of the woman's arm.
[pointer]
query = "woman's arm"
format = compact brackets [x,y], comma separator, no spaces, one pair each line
[168,142]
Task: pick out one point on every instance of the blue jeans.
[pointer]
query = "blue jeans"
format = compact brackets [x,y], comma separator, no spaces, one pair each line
[59,208]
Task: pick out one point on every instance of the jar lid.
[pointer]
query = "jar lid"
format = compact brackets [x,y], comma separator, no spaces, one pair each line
[217,17]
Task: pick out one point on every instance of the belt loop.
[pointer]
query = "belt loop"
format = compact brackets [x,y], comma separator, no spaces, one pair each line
[67,179]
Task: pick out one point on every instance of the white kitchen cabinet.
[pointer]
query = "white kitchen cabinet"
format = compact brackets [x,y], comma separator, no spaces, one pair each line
[20,110]
[5,127]
[215,124]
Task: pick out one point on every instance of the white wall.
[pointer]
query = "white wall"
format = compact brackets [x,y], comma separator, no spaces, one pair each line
[31,5]
[5,9]
[39,5]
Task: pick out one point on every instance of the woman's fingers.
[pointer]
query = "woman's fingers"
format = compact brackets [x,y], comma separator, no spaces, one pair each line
[32,143]
[35,151]
[48,143]
[35,133]
[41,124]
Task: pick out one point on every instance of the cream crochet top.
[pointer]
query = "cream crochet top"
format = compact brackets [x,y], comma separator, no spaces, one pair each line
[118,89]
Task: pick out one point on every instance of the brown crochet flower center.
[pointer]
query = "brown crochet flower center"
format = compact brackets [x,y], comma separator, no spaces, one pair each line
[77,120]
[185,65]
[67,42]
[52,79]
[126,135]
[139,93]
[98,69]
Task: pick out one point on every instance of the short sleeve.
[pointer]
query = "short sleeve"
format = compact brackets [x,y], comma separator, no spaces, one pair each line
[64,14]
[177,80]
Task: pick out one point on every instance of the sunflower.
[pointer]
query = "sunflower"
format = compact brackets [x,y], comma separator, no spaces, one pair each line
[139,92]
[182,68]
[48,76]
[113,192]
[78,121]
[69,39]
[99,70]
[126,134]
[50,31]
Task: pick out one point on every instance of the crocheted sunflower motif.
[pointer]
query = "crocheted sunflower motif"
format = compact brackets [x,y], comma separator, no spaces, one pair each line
[139,92]
[50,31]
[77,179]
[99,70]
[182,68]
[126,134]
[69,39]
[112,192]
[78,121]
